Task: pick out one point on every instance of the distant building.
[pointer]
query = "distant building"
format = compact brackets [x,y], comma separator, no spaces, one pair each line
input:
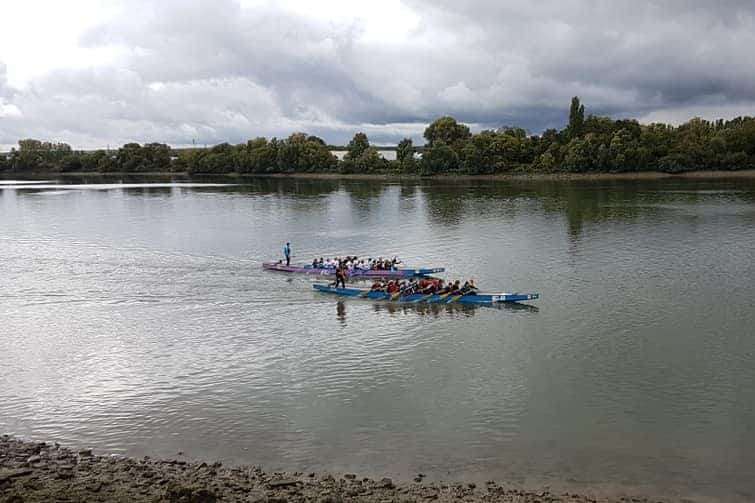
[389,155]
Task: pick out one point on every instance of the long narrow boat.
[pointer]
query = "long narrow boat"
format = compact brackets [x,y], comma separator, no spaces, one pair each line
[356,273]
[478,298]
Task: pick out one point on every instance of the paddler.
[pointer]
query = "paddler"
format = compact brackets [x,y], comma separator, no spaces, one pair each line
[472,288]
[442,288]
[341,275]
[455,288]
[287,253]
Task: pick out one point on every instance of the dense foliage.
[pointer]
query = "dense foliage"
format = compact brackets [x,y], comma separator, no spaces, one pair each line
[587,144]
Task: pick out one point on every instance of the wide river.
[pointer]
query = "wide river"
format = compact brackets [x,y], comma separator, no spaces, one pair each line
[135,318]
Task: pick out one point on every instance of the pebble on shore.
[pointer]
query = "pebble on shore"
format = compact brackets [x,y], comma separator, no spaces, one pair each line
[37,472]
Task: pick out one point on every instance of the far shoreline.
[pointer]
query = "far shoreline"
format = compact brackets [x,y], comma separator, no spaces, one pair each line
[634,175]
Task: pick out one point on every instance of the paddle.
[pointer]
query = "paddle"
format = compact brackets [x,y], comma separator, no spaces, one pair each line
[424,298]
[453,299]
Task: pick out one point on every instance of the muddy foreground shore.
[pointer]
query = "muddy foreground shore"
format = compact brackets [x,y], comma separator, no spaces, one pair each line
[36,472]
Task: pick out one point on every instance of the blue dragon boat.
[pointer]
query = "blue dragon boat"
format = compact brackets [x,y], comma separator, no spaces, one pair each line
[354,273]
[444,298]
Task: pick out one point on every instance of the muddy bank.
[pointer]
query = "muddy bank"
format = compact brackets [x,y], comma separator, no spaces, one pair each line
[36,472]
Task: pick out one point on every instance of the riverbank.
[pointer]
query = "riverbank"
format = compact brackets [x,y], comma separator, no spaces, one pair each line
[638,175]
[39,471]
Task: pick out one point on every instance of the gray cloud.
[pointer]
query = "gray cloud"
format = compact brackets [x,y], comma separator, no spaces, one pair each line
[214,71]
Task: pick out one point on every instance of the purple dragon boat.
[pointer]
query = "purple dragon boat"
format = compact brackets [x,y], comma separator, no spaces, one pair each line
[403,272]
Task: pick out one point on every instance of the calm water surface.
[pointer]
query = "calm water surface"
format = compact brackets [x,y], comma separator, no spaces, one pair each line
[136,319]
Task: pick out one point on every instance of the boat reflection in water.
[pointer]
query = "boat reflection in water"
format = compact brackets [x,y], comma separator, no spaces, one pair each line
[436,310]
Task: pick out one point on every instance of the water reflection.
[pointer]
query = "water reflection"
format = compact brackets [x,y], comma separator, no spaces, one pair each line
[149,191]
[440,309]
[288,186]
[341,312]
[449,203]
[364,198]
[445,206]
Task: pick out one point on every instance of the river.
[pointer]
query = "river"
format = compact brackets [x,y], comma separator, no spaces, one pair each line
[135,318]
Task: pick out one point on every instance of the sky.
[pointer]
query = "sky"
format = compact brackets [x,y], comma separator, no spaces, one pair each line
[102,73]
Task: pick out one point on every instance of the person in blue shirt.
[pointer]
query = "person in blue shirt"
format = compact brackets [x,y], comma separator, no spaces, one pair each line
[287,253]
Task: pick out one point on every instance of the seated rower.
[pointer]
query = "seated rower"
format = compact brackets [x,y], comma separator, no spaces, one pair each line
[472,287]
[455,287]
[406,288]
[468,288]
[443,288]
[427,286]
[413,287]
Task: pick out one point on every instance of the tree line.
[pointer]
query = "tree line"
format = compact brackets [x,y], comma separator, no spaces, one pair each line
[587,144]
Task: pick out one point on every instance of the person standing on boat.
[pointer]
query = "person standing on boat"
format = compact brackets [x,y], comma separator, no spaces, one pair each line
[341,276]
[287,253]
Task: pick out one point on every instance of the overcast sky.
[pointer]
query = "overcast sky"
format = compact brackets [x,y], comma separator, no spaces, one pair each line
[93,73]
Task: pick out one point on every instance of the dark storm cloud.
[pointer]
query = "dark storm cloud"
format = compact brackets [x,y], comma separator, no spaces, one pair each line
[621,56]
[214,71]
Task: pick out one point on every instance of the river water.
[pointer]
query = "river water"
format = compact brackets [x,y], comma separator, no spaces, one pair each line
[135,318]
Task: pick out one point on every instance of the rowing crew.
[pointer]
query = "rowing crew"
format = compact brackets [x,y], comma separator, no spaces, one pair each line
[352,263]
[425,286]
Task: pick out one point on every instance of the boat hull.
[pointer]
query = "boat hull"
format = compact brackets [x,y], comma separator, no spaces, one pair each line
[356,273]
[479,298]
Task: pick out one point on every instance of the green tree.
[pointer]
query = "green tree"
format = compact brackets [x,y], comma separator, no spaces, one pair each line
[576,118]
[154,157]
[178,165]
[515,132]
[107,164]
[546,162]
[405,150]
[478,156]
[446,130]
[740,135]
[299,153]
[259,156]
[369,162]
[737,160]
[41,156]
[439,158]
[673,163]
[357,146]
[220,159]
